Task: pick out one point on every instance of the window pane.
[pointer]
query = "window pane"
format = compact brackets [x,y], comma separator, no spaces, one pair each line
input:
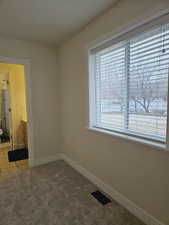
[110,88]
[131,85]
[148,82]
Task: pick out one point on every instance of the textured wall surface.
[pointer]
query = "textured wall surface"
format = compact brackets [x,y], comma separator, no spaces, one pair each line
[44,92]
[137,171]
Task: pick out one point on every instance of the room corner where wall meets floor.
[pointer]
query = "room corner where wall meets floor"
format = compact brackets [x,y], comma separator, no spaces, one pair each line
[133,174]
[136,171]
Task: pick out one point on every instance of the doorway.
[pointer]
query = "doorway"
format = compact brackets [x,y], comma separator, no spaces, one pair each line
[4,110]
[13,119]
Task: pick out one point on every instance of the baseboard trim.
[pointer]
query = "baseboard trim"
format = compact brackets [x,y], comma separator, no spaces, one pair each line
[121,199]
[129,205]
[41,161]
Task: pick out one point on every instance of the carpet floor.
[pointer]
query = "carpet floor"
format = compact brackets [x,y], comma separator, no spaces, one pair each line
[55,194]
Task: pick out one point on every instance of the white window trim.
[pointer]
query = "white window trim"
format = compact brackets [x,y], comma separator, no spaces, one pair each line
[91,124]
[154,144]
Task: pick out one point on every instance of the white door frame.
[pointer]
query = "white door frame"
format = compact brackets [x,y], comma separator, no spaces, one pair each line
[27,70]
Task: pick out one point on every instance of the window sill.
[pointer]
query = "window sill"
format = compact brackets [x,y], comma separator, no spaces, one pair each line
[159,146]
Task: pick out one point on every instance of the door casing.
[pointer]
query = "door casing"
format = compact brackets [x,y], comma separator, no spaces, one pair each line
[27,66]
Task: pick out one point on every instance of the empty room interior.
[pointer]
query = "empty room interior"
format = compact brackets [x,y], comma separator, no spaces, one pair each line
[84,113]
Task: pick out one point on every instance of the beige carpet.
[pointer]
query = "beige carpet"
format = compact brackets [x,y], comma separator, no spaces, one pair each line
[55,194]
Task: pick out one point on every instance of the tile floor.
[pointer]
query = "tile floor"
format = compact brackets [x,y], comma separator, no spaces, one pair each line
[7,167]
[55,194]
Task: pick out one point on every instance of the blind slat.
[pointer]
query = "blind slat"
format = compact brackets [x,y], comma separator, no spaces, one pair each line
[134,100]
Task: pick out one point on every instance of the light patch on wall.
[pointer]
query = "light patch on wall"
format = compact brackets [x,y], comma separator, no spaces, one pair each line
[17,100]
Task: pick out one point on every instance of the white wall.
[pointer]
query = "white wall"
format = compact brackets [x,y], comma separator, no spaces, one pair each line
[44,91]
[137,171]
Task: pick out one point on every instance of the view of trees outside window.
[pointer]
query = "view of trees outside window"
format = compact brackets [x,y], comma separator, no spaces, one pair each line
[132,84]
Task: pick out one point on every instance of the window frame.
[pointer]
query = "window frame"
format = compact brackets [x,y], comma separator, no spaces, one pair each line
[127,134]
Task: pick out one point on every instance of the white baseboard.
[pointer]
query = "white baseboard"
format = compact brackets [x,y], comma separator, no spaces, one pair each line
[40,161]
[122,200]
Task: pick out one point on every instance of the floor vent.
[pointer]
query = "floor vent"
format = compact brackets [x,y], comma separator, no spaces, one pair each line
[101,197]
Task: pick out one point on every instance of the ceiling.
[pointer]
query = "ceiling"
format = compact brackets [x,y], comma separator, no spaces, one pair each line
[47,21]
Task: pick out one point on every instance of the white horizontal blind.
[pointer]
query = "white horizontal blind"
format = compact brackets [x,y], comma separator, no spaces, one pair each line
[131,85]
[110,87]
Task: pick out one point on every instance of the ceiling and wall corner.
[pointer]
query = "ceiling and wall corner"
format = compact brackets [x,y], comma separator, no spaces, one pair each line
[47,21]
[59,85]
[31,30]
[137,171]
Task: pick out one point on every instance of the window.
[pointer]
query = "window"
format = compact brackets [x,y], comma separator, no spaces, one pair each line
[129,85]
